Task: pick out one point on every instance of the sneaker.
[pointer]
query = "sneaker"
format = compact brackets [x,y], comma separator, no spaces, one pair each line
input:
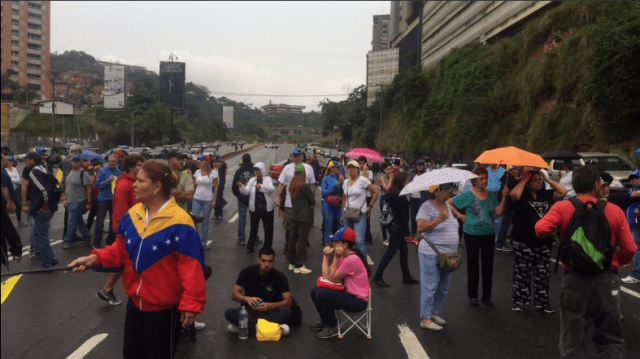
[34,255]
[22,225]
[232,329]
[385,243]
[487,302]
[55,262]
[474,301]
[546,309]
[410,239]
[503,249]
[242,243]
[285,329]
[198,326]
[328,333]
[410,280]
[436,319]
[66,245]
[517,308]
[85,243]
[206,247]
[108,297]
[433,326]
[302,270]
[292,267]
[379,282]
[316,327]
[630,280]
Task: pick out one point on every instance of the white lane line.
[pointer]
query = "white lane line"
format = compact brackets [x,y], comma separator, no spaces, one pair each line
[52,243]
[411,343]
[234,218]
[87,346]
[624,289]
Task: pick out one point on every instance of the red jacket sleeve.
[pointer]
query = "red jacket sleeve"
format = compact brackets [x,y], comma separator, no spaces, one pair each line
[194,293]
[624,239]
[113,256]
[550,222]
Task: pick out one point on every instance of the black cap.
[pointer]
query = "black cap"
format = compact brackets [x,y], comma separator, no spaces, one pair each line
[174,154]
[34,156]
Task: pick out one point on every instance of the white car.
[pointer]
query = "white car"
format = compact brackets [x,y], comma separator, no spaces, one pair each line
[270,145]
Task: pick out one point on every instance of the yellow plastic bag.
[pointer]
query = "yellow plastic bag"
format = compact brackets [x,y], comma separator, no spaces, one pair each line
[267,331]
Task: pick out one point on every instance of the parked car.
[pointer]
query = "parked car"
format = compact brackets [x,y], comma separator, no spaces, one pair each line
[195,150]
[144,151]
[617,166]
[158,153]
[271,145]
[209,152]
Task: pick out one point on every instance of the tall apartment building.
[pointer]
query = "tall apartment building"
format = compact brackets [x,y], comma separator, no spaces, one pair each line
[273,110]
[380,32]
[382,67]
[26,43]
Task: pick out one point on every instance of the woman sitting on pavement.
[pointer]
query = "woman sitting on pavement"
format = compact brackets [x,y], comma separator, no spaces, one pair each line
[301,199]
[168,274]
[332,195]
[205,196]
[349,266]
[398,230]
[440,228]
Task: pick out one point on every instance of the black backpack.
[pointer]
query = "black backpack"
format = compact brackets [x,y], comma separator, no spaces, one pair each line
[587,245]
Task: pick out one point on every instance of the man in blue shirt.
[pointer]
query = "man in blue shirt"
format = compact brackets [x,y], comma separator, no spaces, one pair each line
[633,216]
[104,178]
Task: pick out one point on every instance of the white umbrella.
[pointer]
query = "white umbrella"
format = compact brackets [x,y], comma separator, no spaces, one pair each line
[437,177]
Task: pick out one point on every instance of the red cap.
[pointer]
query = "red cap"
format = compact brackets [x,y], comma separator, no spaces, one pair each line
[85,165]
[119,153]
[349,235]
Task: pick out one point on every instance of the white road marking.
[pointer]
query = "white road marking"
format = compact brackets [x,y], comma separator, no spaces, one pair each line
[234,218]
[26,252]
[411,343]
[87,346]
[624,289]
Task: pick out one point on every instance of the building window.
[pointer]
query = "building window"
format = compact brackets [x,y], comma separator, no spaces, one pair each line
[34,16]
[384,31]
[15,33]
[15,63]
[15,11]
[15,2]
[33,67]
[35,6]
[31,56]
[15,22]
[33,26]
[14,53]
[384,26]
[34,36]
[31,46]
[15,43]
[33,77]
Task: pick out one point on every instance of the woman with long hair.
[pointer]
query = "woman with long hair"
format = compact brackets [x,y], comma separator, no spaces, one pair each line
[439,229]
[398,230]
[479,234]
[385,183]
[204,198]
[301,199]
[355,196]
[165,284]
[350,267]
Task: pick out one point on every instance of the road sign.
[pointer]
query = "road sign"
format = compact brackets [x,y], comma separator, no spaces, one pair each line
[171,80]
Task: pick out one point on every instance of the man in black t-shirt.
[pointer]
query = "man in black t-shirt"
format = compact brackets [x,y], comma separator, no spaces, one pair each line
[264,292]
[532,255]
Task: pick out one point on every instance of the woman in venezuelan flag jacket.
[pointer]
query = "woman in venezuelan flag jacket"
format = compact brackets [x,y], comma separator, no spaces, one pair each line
[163,261]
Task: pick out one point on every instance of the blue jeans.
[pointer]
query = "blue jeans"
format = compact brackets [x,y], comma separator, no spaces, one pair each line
[33,246]
[396,241]
[203,207]
[242,219]
[76,222]
[328,300]
[330,214]
[504,226]
[434,285]
[635,273]
[219,203]
[41,238]
[360,228]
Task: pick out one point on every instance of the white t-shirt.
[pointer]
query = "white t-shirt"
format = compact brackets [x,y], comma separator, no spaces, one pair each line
[205,185]
[287,175]
[369,175]
[15,176]
[416,194]
[566,182]
[356,193]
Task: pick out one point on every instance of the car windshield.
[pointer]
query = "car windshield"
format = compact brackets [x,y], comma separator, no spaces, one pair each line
[610,163]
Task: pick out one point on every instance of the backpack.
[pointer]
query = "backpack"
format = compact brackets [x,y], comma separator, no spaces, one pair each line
[386,215]
[587,245]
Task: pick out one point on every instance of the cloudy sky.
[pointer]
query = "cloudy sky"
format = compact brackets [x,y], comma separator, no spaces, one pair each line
[272,48]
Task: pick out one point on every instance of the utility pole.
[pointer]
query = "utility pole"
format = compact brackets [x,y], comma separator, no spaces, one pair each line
[52,78]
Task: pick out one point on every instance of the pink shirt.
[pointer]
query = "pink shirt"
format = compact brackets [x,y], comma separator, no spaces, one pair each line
[356,281]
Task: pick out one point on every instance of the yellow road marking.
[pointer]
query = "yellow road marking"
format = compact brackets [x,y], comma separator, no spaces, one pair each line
[7,287]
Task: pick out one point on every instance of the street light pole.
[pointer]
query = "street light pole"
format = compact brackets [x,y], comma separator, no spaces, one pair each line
[132,123]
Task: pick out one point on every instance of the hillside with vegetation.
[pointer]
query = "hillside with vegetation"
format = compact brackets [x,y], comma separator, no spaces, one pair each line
[569,79]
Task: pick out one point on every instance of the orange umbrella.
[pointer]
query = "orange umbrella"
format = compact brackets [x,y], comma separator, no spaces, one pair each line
[512,156]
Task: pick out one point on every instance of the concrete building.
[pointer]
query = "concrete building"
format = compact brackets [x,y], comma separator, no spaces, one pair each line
[382,67]
[405,31]
[447,25]
[26,43]
[277,110]
[380,32]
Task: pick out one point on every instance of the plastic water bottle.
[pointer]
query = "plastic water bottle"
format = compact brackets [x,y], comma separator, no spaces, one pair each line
[243,324]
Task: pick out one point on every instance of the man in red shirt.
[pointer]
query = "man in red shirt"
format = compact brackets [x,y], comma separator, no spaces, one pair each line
[587,297]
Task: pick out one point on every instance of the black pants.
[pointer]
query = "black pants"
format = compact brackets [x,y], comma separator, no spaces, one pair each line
[9,236]
[152,334]
[66,220]
[479,248]
[368,238]
[92,215]
[297,246]
[267,225]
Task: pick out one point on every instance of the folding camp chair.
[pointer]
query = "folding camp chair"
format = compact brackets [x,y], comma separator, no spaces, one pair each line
[363,321]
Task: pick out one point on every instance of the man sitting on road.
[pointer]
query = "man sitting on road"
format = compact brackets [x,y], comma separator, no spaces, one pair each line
[265,293]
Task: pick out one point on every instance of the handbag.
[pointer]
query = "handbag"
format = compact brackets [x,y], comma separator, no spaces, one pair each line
[324,283]
[267,331]
[447,262]
[387,215]
[352,214]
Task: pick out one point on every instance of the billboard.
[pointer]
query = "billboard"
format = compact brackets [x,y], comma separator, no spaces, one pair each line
[114,87]
[227,116]
[172,78]
[6,121]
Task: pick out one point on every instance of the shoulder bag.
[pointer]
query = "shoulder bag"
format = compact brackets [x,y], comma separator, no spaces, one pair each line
[447,262]
[352,214]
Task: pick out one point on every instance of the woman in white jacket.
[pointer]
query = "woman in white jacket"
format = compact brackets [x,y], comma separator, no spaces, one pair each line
[260,190]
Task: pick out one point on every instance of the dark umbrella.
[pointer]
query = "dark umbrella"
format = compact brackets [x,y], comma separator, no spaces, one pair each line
[560,154]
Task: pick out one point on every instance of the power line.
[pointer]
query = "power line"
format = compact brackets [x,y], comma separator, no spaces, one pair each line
[264,95]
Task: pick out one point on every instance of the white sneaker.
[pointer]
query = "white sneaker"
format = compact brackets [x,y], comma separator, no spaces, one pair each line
[232,329]
[292,267]
[302,270]
[285,329]
[198,326]
[385,243]
[630,280]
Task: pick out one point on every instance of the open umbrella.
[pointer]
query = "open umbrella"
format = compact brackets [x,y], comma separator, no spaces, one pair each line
[511,156]
[436,177]
[371,155]
[560,154]
[637,153]
[87,155]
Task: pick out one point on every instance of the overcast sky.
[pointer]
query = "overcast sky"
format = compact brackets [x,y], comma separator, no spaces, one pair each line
[274,48]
